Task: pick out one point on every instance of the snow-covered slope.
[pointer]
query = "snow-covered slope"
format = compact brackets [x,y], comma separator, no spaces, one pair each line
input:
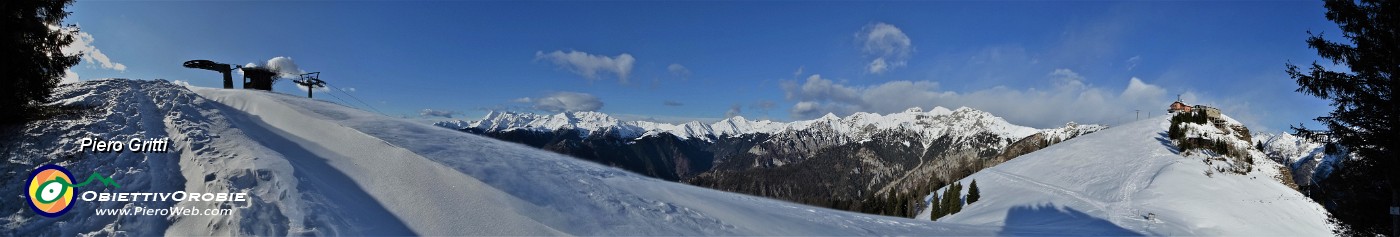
[314,167]
[1129,180]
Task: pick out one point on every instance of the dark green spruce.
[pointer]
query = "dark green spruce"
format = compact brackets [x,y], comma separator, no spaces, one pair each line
[1365,113]
[33,59]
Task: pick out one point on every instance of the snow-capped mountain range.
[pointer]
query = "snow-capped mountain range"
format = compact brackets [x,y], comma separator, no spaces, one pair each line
[891,153]
[860,126]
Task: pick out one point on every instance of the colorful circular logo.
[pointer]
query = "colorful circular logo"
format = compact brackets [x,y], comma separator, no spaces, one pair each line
[51,190]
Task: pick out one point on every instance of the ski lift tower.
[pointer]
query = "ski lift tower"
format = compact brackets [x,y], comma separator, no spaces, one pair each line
[311,81]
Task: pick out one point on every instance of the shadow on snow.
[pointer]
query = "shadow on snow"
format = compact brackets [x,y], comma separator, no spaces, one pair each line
[1046,219]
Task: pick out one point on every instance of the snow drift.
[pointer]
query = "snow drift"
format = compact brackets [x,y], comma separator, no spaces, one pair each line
[1131,180]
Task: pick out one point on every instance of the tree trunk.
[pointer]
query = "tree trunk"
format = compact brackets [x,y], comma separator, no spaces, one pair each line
[1394,204]
[1394,217]
[1390,166]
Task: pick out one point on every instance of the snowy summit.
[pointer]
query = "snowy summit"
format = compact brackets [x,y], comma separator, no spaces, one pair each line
[1131,180]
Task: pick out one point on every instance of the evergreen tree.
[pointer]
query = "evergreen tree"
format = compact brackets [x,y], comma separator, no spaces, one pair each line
[1365,113]
[972,193]
[901,208]
[947,205]
[935,210]
[33,61]
[891,204]
[1174,131]
[952,200]
[957,199]
[911,206]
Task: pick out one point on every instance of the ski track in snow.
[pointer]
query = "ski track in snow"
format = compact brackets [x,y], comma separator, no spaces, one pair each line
[1017,179]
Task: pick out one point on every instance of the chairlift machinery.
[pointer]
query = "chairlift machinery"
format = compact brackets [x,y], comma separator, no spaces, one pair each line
[311,81]
[262,78]
[253,77]
[213,66]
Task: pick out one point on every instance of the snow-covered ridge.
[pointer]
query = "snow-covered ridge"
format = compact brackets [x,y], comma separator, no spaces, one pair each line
[1288,146]
[1070,130]
[1308,159]
[859,126]
[1222,142]
[1127,181]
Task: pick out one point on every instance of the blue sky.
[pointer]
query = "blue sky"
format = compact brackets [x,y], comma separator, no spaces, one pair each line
[1039,64]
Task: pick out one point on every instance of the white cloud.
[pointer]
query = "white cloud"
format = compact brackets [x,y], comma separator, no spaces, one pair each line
[734,110]
[888,45]
[589,65]
[663,118]
[1133,62]
[679,70]
[318,89]
[69,77]
[878,66]
[1068,78]
[182,83]
[285,67]
[1138,91]
[817,88]
[763,105]
[82,43]
[805,108]
[1069,99]
[437,113]
[568,101]
[522,100]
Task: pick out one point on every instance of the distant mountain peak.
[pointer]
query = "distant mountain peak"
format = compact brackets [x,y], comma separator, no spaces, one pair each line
[936,122]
